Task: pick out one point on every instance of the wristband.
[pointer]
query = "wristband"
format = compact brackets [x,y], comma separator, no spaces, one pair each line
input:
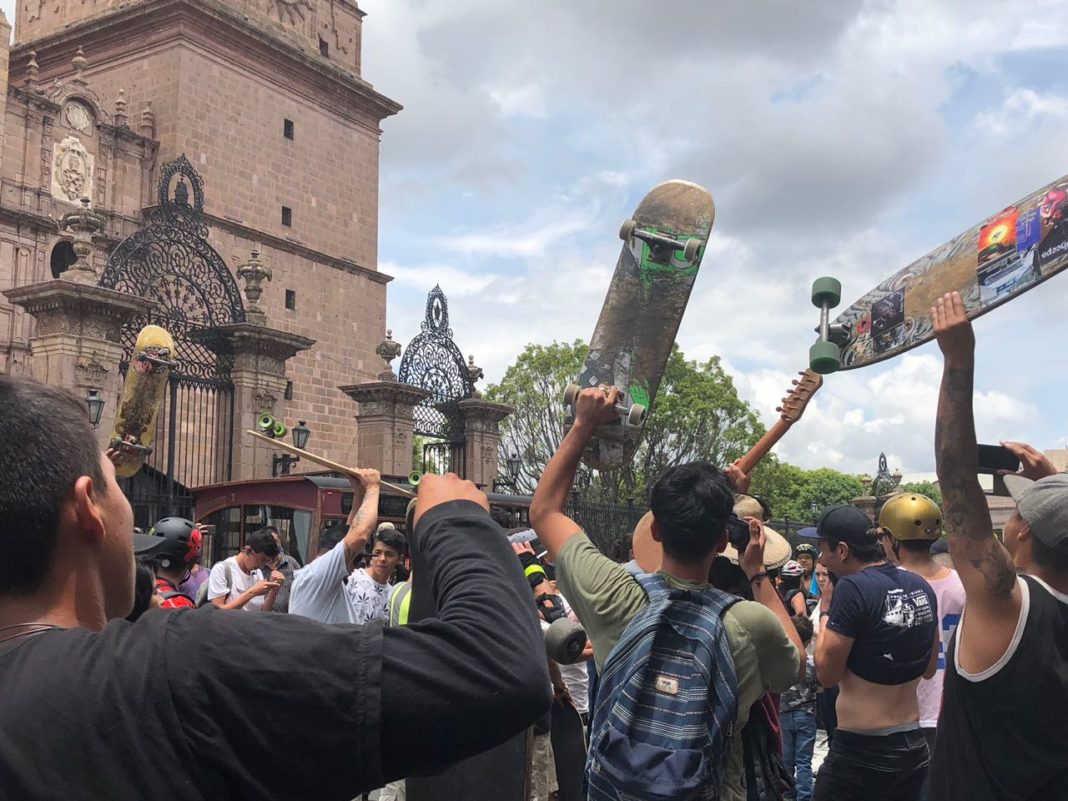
[761,574]
[825,614]
[533,570]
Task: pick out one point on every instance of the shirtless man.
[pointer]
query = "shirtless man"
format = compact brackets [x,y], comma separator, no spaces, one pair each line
[878,636]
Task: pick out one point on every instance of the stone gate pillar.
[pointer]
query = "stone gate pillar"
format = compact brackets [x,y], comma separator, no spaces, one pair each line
[76,341]
[482,432]
[385,426]
[259,376]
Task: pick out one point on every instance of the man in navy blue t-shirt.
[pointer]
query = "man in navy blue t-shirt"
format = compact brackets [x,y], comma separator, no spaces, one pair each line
[878,636]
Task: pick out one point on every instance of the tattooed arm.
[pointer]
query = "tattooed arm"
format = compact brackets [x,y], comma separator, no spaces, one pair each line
[984,566]
[362,519]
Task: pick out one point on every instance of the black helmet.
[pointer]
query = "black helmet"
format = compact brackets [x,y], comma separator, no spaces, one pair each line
[182,542]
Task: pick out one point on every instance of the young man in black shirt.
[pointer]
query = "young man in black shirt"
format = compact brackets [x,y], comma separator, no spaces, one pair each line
[1002,732]
[171,706]
[878,635]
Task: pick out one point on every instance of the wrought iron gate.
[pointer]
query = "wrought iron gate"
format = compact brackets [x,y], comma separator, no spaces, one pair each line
[171,262]
[434,363]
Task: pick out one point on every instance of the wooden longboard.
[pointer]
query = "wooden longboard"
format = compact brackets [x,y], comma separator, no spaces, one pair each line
[142,396]
[644,306]
[1002,257]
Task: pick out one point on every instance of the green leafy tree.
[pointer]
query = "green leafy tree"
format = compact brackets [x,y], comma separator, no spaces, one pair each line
[799,494]
[928,488]
[697,414]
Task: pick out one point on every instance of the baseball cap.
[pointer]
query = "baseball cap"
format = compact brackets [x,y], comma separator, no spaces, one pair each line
[147,544]
[1043,505]
[842,523]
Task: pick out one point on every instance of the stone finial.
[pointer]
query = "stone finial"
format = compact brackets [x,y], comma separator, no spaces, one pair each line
[81,225]
[79,62]
[147,127]
[475,373]
[121,118]
[252,272]
[388,350]
[33,74]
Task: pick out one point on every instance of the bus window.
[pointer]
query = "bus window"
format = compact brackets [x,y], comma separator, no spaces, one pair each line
[227,538]
[301,535]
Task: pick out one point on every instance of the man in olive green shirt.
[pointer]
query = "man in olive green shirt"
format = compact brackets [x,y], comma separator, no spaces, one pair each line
[690,504]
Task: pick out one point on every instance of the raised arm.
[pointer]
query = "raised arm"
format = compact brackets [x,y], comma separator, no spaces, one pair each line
[363,518]
[592,408]
[984,566]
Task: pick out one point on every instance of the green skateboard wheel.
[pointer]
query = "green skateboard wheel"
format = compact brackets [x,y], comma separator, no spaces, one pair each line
[279,430]
[265,422]
[824,357]
[826,290]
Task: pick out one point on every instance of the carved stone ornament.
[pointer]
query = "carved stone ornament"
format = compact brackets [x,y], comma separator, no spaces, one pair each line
[78,116]
[265,400]
[72,170]
[90,371]
[389,350]
[292,11]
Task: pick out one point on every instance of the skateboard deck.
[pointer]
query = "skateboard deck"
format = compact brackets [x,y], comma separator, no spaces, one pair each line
[142,395]
[1002,257]
[663,245]
[568,738]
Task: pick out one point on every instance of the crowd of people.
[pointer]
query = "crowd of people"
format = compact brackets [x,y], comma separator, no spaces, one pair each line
[707,678]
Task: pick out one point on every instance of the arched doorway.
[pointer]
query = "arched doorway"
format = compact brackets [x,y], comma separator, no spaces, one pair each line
[171,262]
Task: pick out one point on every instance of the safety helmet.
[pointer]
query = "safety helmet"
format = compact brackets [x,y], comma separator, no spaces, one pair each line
[807,549]
[792,568]
[911,516]
[182,542]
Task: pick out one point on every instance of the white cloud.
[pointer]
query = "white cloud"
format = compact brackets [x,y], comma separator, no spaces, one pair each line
[1022,109]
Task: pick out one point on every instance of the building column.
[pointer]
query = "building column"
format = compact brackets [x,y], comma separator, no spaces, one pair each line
[385,426]
[259,376]
[76,341]
[483,438]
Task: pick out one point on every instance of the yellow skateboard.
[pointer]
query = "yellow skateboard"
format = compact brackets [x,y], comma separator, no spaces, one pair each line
[142,395]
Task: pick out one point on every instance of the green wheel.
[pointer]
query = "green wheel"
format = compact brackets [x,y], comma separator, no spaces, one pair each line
[279,430]
[826,290]
[265,422]
[824,357]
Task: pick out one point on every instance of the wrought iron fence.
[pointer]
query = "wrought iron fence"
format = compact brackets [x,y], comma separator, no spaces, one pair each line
[608,525]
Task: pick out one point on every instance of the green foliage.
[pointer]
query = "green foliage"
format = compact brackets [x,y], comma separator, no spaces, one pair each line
[697,414]
[802,494]
[927,488]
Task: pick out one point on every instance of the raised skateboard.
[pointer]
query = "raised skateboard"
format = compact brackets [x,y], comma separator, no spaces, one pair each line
[142,395]
[990,264]
[568,738]
[663,244]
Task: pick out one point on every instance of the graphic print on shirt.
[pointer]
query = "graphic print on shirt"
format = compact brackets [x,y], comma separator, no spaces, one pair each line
[907,610]
[949,625]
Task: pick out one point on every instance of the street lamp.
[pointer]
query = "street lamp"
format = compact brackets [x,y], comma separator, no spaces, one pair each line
[96,406]
[513,464]
[281,464]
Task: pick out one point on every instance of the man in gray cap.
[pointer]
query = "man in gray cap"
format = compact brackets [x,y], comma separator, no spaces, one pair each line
[1002,731]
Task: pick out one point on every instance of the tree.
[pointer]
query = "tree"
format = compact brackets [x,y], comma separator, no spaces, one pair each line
[928,488]
[697,414]
[799,494]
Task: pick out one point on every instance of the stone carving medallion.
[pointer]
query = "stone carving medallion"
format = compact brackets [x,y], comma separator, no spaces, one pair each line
[72,170]
[78,116]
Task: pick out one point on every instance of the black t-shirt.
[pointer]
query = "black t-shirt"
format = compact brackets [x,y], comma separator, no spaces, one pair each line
[891,615]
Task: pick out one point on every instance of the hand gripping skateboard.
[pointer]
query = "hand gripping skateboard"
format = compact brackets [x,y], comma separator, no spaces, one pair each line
[142,395]
[663,245]
[990,264]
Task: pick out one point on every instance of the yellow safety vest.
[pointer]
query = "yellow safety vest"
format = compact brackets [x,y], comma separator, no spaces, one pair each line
[399,602]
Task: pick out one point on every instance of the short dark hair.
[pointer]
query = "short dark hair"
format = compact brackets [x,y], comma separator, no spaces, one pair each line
[261,541]
[1055,559]
[391,538]
[916,546]
[789,582]
[691,504]
[47,445]
[804,628]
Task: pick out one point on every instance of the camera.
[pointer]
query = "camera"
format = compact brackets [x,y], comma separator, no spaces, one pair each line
[738,533]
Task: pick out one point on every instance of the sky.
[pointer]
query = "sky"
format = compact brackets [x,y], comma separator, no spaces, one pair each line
[838,138]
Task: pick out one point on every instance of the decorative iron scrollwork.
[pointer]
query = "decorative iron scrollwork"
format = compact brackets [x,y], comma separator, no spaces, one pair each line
[434,363]
[170,261]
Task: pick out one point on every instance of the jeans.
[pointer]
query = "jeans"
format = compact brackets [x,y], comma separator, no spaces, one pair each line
[798,739]
[929,736]
[888,767]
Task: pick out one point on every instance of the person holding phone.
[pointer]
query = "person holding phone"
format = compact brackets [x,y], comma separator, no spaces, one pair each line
[1001,734]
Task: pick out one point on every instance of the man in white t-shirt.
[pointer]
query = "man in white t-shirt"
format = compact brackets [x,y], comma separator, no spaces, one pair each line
[239,583]
[368,588]
[911,523]
[319,590]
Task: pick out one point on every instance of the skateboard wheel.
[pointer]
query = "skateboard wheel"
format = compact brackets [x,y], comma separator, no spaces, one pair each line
[279,429]
[824,357]
[690,249]
[636,415]
[570,393]
[265,423]
[415,477]
[564,641]
[826,290]
[626,230]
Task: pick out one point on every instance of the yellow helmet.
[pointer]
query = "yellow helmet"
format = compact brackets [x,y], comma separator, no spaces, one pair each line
[911,516]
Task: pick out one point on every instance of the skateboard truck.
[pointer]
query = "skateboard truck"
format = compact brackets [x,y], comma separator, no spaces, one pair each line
[155,360]
[130,448]
[268,425]
[630,413]
[662,246]
[825,356]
